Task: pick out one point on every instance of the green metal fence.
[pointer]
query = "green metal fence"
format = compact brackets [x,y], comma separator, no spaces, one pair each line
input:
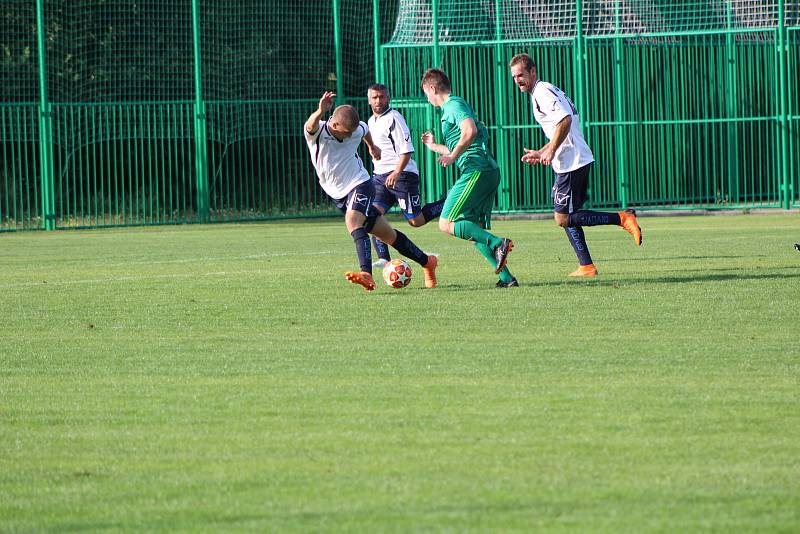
[120,112]
[114,112]
[686,104]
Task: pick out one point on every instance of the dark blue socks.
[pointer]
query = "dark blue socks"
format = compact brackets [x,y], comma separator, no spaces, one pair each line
[363,249]
[593,218]
[408,249]
[432,210]
[578,241]
[381,248]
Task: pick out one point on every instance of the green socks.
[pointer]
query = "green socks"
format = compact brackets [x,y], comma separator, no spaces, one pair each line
[488,253]
[470,231]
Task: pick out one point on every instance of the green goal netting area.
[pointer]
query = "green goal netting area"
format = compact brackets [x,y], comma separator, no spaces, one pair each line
[479,20]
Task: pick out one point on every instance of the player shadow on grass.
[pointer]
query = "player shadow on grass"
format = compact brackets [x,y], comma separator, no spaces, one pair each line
[707,277]
[610,281]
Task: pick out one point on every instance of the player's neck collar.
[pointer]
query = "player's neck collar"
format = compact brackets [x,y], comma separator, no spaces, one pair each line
[329,132]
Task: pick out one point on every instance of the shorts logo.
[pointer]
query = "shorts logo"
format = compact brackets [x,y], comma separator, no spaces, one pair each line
[415,200]
[402,203]
[360,199]
[561,199]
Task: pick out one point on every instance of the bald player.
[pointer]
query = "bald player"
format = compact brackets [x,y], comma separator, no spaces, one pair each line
[333,146]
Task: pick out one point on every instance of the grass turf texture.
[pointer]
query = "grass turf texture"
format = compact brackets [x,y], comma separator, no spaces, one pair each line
[228,377]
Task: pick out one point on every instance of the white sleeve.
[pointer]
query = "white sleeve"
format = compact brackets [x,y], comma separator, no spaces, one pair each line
[310,136]
[402,138]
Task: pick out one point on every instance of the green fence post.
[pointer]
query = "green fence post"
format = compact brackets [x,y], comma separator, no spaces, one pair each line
[376,34]
[783,118]
[732,109]
[337,46]
[579,68]
[501,118]
[620,115]
[579,64]
[201,138]
[45,128]
[435,30]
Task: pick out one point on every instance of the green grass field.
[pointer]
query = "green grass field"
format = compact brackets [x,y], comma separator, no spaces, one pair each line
[227,377]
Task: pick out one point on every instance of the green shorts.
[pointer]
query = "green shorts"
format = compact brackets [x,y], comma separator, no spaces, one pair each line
[472,197]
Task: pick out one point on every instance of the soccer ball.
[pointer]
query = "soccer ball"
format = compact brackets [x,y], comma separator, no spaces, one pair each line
[397,274]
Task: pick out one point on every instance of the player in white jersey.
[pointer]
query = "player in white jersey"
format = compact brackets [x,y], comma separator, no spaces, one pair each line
[333,145]
[571,159]
[395,174]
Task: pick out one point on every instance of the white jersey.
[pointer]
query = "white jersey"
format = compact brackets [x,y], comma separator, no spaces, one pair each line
[550,106]
[390,132]
[337,163]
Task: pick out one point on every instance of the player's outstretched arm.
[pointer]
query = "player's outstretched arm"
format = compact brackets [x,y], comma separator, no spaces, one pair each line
[325,104]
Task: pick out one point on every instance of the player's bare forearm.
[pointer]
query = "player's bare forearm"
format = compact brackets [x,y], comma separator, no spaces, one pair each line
[562,129]
[402,163]
[439,149]
[312,124]
[430,143]
[374,150]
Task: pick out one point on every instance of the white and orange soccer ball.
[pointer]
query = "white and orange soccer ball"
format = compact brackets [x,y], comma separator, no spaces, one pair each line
[397,274]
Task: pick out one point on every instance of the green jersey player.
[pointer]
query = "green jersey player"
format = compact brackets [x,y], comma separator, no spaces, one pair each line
[468,207]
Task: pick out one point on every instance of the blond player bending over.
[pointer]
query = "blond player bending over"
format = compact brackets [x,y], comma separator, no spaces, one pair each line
[333,146]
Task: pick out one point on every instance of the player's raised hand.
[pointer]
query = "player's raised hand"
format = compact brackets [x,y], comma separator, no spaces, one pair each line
[428,138]
[326,102]
[531,157]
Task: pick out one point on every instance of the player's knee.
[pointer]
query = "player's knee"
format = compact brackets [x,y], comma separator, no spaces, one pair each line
[444,225]
[369,222]
[416,222]
[562,220]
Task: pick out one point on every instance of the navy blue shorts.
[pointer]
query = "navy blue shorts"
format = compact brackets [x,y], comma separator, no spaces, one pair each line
[569,190]
[405,193]
[359,199]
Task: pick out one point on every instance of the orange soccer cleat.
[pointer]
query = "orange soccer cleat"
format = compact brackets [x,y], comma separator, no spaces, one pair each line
[364,279]
[429,270]
[585,270]
[627,219]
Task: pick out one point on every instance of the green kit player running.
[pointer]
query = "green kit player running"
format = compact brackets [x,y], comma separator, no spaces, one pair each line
[468,208]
